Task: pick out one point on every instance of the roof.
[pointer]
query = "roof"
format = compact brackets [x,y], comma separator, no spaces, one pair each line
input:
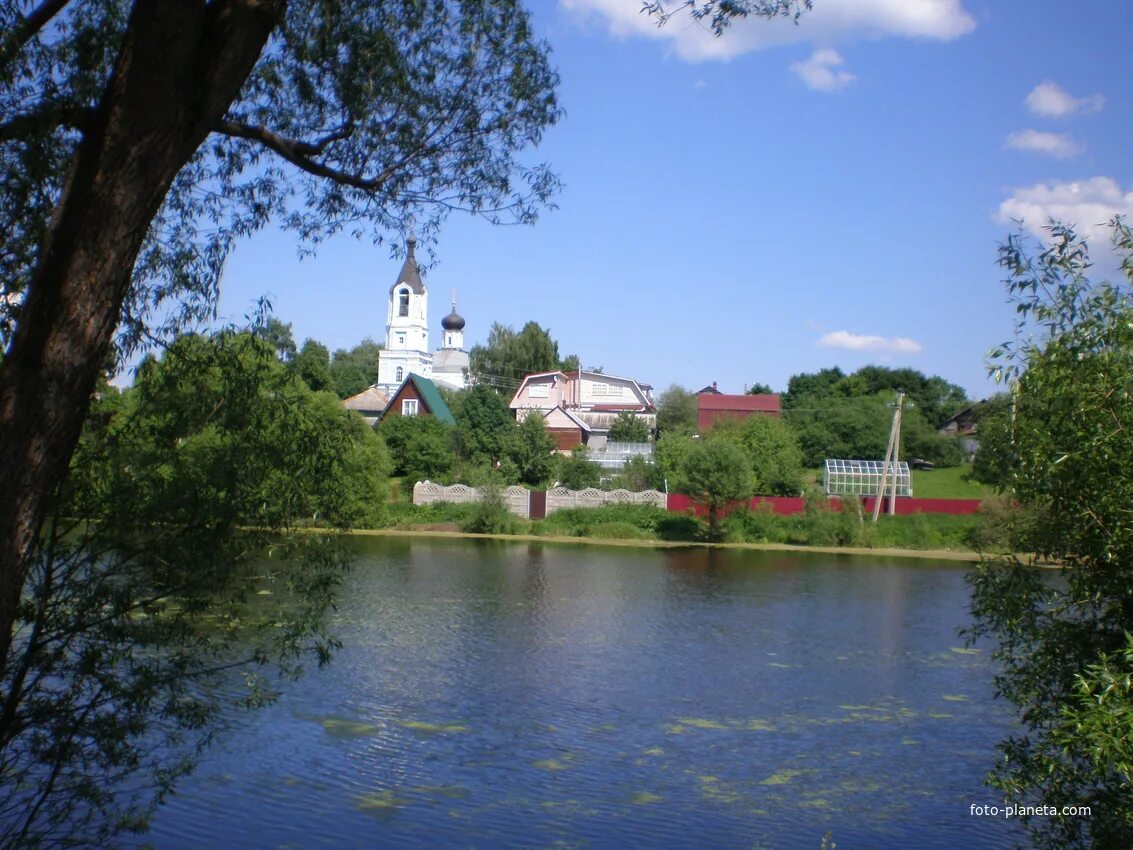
[371,399]
[749,403]
[429,394]
[409,273]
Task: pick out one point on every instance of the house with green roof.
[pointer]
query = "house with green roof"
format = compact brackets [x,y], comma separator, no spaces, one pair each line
[417,396]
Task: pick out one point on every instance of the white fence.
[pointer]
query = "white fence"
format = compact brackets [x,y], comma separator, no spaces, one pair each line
[518,500]
[560,497]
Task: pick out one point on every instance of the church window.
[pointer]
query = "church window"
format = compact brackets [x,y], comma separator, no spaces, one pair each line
[403,303]
[399,374]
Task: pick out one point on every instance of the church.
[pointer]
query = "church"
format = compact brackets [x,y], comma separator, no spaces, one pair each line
[407,335]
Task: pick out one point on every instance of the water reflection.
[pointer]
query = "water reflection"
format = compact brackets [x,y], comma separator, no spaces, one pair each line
[500,695]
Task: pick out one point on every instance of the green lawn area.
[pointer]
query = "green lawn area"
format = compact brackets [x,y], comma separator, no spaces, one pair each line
[948,483]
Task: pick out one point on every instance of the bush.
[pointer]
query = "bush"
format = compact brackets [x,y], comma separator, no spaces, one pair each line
[490,516]
[679,527]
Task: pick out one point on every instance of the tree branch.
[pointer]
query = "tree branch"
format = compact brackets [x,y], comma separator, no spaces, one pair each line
[300,153]
[24,32]
[48,116]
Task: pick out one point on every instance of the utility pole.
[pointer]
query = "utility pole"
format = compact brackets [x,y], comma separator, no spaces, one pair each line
[892,451]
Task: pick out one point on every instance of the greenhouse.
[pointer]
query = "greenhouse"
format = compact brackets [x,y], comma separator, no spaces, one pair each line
[863,477]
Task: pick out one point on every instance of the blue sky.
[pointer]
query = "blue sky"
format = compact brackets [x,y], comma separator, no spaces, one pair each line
[780,200]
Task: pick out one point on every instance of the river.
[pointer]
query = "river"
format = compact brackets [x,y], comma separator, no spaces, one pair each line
[538,695]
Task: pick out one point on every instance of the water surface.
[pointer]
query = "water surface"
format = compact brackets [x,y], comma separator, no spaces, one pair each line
[535,695]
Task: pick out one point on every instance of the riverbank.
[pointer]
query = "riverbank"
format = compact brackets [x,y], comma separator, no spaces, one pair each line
[918,554]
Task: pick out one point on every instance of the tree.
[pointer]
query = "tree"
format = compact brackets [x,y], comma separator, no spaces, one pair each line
[530,449]
[760,389]
[1064,646]
[139,142]
[772,451]
[676,412]
[152,603]
[278,335]
[419,446]
[993,463]
[579,472]
[669,455]
[353,371]
[628,428]
[484,424]
[313,365]
[509,356]
[715,472]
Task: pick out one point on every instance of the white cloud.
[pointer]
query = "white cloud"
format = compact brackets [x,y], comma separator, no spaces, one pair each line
[1086,204]
[1054,144]
[1051,100]
[821,71]
[866,342]
[831,21]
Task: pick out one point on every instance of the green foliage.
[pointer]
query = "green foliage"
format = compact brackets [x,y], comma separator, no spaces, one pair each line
[490,515]
[313,365]
[484,424]
[279,337]
[638,474]
[760,389]
[353,371]
[406,515]
[669,455]
[628,428]
[716,472]
[847,416]
[509,356]
[419,446]
[577,471]
[1064,646]
[772,451]
[676,412]
[150,598]
[530,451]
[609,521]
[994,461]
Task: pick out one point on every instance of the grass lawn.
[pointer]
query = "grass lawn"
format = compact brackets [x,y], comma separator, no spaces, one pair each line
[948,483]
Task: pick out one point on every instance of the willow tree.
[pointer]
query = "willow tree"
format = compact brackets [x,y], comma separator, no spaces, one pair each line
[1064,642]
[139,141]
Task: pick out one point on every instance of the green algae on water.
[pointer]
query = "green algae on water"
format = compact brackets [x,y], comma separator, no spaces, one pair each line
[342,727]
[432,728]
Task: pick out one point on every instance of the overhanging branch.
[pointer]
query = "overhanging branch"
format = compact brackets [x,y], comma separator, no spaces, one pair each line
[302,154]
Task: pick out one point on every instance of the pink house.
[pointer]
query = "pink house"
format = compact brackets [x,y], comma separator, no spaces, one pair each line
[581,406]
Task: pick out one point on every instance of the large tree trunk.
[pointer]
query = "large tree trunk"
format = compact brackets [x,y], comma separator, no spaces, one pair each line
[181,65]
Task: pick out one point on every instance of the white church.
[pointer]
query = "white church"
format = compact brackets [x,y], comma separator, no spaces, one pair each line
[407,334]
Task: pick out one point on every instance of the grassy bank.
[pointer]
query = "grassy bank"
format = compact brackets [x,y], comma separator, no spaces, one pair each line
[816,527]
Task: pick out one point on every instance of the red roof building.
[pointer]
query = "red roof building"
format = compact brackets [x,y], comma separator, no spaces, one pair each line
[712,407]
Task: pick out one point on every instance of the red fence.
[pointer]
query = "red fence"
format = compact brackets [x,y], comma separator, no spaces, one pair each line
[787,505]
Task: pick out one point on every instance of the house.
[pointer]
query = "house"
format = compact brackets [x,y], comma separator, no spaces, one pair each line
[581,406]
[712,406]
[962,424]
[418,396]
[371,403]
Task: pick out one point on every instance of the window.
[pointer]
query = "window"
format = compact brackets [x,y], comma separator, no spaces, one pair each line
[409,407]
[403,303]
[399,375]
